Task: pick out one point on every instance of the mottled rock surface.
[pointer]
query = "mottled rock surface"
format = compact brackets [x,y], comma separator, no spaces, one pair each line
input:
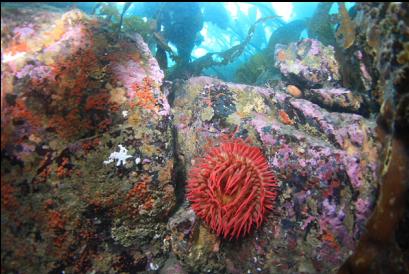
[379,60]
[308,63]
[335,99]
[86,160]
[326,163]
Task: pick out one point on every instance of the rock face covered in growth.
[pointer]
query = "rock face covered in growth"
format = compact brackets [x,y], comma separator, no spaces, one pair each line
[379,60]
[85,138]
[308,63]
[325,163]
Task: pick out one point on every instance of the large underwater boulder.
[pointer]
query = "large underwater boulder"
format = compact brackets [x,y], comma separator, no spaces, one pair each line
[86,145]
[325,162]
[308,63]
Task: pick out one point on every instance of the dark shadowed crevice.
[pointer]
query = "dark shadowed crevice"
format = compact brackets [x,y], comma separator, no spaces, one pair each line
[179,172]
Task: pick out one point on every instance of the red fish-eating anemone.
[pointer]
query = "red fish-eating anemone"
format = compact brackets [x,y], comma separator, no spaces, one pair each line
[231,188]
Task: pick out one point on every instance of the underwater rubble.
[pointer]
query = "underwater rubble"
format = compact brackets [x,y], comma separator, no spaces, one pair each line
[96,149]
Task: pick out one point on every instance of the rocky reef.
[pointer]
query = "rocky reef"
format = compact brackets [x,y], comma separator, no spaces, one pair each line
[308,63]
[96,149]
[325,162]
[87,160]
[382,63]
